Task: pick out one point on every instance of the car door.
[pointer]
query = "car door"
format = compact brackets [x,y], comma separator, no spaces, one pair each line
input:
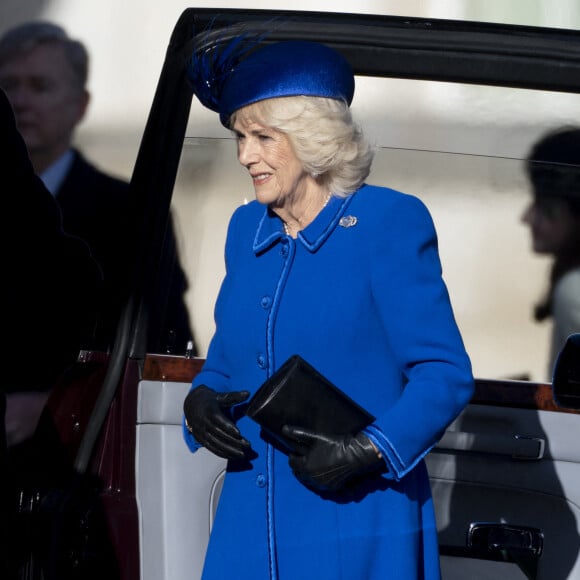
[505,486]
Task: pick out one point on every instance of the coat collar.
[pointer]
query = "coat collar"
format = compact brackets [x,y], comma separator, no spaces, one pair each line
[270,229]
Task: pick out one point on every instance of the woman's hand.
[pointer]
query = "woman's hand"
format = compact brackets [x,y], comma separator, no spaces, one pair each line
[328,462]
[207,421]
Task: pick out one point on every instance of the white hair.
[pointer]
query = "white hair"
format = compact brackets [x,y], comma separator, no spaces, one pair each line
[330,145]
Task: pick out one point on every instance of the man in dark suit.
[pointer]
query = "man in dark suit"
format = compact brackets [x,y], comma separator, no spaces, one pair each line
[44,73]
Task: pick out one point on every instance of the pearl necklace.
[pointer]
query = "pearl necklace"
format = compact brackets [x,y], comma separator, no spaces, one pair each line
[299,220]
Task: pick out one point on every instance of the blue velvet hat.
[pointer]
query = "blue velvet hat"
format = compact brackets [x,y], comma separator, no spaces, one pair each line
[232,79]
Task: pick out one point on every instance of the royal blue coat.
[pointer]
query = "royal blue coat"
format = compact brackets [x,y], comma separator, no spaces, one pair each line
[360,296]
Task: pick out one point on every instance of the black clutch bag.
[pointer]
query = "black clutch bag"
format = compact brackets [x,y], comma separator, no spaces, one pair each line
[297,394]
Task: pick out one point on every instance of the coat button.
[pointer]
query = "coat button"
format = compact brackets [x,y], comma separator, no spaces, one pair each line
[261,360]
[265,302]
[284,250]
[261,480]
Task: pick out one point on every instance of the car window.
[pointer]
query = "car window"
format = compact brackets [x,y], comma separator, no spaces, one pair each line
[456,146]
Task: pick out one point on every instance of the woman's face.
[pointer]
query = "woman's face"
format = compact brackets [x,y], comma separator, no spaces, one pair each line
[277,174]
[553,227]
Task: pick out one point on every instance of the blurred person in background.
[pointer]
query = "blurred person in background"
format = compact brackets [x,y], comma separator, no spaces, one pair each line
[553,169]
[44,73]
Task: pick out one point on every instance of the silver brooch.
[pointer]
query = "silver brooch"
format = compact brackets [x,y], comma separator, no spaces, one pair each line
[347,221]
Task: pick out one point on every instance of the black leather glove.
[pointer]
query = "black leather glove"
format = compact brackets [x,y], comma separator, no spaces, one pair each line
[328,462]
[209,422]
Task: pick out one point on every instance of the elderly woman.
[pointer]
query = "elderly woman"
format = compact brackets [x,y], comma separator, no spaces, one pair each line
[348,276]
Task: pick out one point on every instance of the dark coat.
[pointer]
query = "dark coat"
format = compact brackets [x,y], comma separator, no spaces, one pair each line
[50,281]
[96,207]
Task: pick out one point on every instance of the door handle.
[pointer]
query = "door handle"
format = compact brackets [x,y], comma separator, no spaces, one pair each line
[516,446]
[514,539]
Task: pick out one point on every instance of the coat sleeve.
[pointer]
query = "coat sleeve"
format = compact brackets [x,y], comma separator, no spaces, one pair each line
[416,313]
